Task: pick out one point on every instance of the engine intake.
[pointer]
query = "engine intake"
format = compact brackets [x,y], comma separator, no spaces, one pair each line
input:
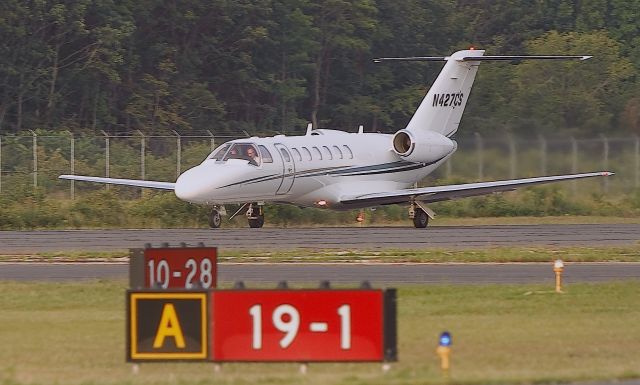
[423,146]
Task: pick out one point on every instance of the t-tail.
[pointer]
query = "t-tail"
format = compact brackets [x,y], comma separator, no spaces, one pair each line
[426,137]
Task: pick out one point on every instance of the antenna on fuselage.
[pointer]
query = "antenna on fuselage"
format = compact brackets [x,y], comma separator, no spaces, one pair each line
[360,129]
[309,129]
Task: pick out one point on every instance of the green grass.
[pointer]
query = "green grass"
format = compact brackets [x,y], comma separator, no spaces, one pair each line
[73,333]
[496,254]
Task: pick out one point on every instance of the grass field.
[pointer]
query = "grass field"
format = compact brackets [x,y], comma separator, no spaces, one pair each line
[489,254]
[73,333]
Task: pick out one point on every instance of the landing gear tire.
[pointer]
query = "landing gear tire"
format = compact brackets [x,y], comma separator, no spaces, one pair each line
[420,219]
[257,222]
[215,219]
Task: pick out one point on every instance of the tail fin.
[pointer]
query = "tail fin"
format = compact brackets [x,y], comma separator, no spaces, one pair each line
[441,110]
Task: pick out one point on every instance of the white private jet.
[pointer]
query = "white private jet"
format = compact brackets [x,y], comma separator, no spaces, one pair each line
[337,170]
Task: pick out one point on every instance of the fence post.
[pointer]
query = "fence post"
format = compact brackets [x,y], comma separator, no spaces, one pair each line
[72,163]
[605,161]
[35,159]
[513,160]
[0,164]
[106,157]
[142,154]
[637,156]
[178,154]
[574,163]
[480,154]
[213,143]
[543,154]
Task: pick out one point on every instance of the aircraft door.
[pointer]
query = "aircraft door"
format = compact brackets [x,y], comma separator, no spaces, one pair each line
[288,169]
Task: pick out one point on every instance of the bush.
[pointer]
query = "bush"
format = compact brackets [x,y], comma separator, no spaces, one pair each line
[105,208]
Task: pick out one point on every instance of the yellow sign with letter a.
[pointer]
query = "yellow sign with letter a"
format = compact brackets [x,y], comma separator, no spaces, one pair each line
[166,325]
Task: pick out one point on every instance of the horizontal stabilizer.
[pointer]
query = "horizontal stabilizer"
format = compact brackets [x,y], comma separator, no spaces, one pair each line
[122,182]
[515,58]
[442,193]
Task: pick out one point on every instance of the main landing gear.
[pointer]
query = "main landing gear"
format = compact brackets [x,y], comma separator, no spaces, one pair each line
[255,215]
[420,215]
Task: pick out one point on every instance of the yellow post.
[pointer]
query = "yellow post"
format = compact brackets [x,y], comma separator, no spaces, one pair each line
[444,352]
[558,267]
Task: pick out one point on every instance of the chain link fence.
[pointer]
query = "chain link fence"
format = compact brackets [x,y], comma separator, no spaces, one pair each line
[34,162]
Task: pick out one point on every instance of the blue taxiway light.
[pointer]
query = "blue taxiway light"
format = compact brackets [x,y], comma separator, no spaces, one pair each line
[445,339]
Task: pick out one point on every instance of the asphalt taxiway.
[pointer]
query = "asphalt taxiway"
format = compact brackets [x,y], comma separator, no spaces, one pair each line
[388,273]
[371,238]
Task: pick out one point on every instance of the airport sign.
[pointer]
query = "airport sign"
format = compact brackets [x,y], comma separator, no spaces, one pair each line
[303,325]
[165,326]
[188,268]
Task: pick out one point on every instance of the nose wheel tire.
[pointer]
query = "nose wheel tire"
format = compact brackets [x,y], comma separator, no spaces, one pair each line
[257,222]
[420,219]
[215,219]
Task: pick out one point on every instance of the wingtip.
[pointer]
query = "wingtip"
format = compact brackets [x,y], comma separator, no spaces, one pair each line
[607,173]
[586,57]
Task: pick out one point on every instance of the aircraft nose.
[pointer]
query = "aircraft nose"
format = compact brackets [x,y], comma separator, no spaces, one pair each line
[192,185]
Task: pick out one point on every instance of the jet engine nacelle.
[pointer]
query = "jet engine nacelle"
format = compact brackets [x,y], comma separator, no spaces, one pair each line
[423,146]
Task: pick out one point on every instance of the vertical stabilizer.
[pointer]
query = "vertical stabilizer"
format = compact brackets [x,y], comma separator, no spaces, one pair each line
[441,110]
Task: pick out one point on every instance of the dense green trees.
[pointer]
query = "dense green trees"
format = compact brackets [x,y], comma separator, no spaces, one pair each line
[272,65]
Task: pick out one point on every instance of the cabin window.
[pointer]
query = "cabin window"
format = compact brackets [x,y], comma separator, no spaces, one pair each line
[307,153]
[296,154]
[348,151]
[285,155]
[266,155]
[337,151]
[219,152]
[327,152]
[317,153]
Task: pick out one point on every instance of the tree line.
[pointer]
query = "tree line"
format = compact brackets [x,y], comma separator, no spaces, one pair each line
[266,66]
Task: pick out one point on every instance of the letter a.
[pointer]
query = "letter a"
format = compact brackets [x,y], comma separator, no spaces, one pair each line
[169,327]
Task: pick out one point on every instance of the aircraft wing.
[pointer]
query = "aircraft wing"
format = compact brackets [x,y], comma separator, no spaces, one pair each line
[124,182]
[442,193]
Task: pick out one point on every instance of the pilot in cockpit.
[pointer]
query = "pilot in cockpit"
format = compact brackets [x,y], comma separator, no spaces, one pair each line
[253,156]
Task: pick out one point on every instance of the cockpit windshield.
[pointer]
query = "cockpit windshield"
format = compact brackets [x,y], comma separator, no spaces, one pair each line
[219,152]
[245,151]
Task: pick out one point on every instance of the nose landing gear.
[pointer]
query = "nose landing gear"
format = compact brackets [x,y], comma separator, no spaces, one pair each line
[215,216]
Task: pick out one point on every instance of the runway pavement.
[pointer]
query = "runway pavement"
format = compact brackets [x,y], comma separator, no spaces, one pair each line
[377,274]
[26,242]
